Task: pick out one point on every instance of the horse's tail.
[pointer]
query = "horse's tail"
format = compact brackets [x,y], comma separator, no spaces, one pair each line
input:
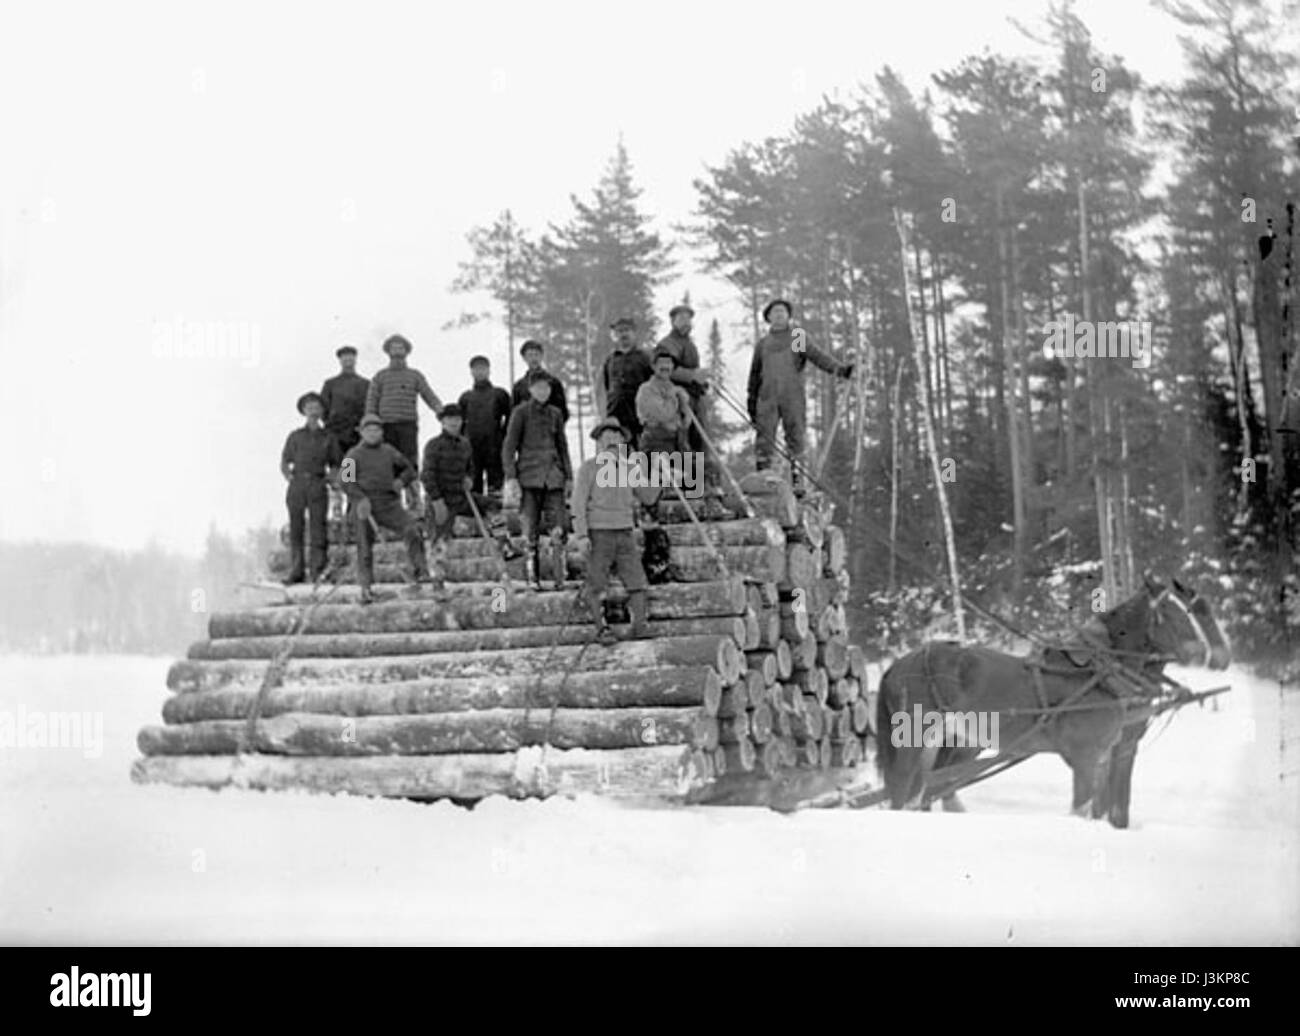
[891,698]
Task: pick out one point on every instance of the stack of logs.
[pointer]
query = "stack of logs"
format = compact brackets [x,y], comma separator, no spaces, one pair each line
[487,688]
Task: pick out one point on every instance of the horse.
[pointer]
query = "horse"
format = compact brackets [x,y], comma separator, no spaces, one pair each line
[1115,774]
[1073,700]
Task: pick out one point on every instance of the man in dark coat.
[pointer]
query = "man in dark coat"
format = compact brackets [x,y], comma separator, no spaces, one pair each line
[449,484]
[624,371]
[485,410]
[776,390]
[310,456]
[693,378]
[374,475]
[345,400]
[531,351]
[538,473]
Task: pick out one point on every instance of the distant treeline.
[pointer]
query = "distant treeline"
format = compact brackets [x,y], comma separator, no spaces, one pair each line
[58,598]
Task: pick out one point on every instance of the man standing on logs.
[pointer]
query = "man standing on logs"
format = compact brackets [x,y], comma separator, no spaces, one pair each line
[393,397]
[345,406]
[664,410]
[485,409]
[604,516]
[531,351]
[624,371]
[692,378]
[374,474]
[538,474]
[776,390]
[449,483]
[310,455]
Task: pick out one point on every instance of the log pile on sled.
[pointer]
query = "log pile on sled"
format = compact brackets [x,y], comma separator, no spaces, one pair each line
[487,688]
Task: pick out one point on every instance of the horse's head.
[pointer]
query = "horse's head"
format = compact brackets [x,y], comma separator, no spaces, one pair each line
[1182,625]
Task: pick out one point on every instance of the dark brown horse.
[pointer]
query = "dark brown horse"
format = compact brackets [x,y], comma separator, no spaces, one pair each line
[1115,774]
[1075,701]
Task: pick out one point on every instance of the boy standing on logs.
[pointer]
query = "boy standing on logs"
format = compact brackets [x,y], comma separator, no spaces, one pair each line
[531,351]
[374,474]
[449,483]
[604,515]
[535,457]
[393,396]
[310,455]
[776,391]
[625,370]
[485,409]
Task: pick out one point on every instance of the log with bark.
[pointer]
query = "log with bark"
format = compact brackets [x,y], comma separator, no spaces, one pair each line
[833,656]
[763,663]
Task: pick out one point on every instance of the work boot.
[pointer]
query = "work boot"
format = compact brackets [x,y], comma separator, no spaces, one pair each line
[638,607]
[558,560]
[508,550]
[367,595]
[296,576]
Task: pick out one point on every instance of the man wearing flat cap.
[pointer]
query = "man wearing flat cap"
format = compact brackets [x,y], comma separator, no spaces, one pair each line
[532,352]
[691,377]
[624,371]
[394,395]
[485,409]
[776,389]
[310,456]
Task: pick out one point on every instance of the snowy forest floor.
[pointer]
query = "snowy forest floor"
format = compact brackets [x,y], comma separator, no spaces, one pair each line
[1213,856]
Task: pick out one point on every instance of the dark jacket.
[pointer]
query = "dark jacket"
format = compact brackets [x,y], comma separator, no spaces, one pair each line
[777,366]
[447,462]
[308,453]
[521,394]
[486,409]
[683,349]
[536,451]
[373,470]
[621,375]
[345,401]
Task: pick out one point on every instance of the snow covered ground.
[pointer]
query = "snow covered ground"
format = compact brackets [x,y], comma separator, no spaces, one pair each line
[87,857]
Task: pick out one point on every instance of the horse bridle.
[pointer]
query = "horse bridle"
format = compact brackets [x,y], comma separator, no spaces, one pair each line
[1186,609]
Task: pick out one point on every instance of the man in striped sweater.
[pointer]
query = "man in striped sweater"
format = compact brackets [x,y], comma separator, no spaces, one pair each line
[394,395]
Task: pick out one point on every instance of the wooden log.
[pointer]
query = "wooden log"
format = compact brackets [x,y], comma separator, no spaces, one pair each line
[832,622]
[841,725]
[753,598]
[790,696]
[734,729]
[782,726]
[719,759]
[802,566]
[742,532]
[794,623]
[772,496]
[755,687]
[769,629]
[764,663]
[784,660]
[662,771]
[833,656]
[813,683]
[789,751]
[810,529]
[861,716]
[735,701]
[836,550]
[703,762]
[768,758]
[760,723]
[816,594]
[846,753]
[740,757]
[803,653]
[826,753]
[698,686]
[808,724]
[497,730]
[808,753]
[769,592]
[751,630]
[671,511]
[471,606]
[721,653]
[843,693]
[368,645]
[857,663]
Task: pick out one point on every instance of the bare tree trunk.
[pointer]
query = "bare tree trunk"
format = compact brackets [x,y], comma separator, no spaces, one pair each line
[923,389]
[1012,408]
[895,397]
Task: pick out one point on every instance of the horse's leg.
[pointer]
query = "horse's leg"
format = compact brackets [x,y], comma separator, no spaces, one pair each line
[952,804]
[925,763]
[1121,774]
[1084,766]
[1101,797]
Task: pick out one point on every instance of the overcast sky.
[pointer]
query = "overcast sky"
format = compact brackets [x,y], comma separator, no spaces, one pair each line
[305,174]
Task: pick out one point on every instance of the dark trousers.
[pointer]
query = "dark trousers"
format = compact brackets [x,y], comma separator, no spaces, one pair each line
[541,508]
[307,494]
[346,440]
[789,408]
[614,549]
[487,465]
[624,409]
[405,438]
[457,507]
[388,513]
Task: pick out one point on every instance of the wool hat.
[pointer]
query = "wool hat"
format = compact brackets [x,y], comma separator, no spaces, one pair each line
[450,410]
[623,322]
[480,361]
[680,308]
[306,398]
[371,419]
[344,350]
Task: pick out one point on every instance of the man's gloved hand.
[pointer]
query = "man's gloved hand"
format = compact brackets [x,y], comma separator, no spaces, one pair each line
[362,509]
[441,514]
[468,483]
[398,486]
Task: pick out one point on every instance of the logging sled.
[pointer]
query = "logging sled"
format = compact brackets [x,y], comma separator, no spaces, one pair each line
[746,691]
